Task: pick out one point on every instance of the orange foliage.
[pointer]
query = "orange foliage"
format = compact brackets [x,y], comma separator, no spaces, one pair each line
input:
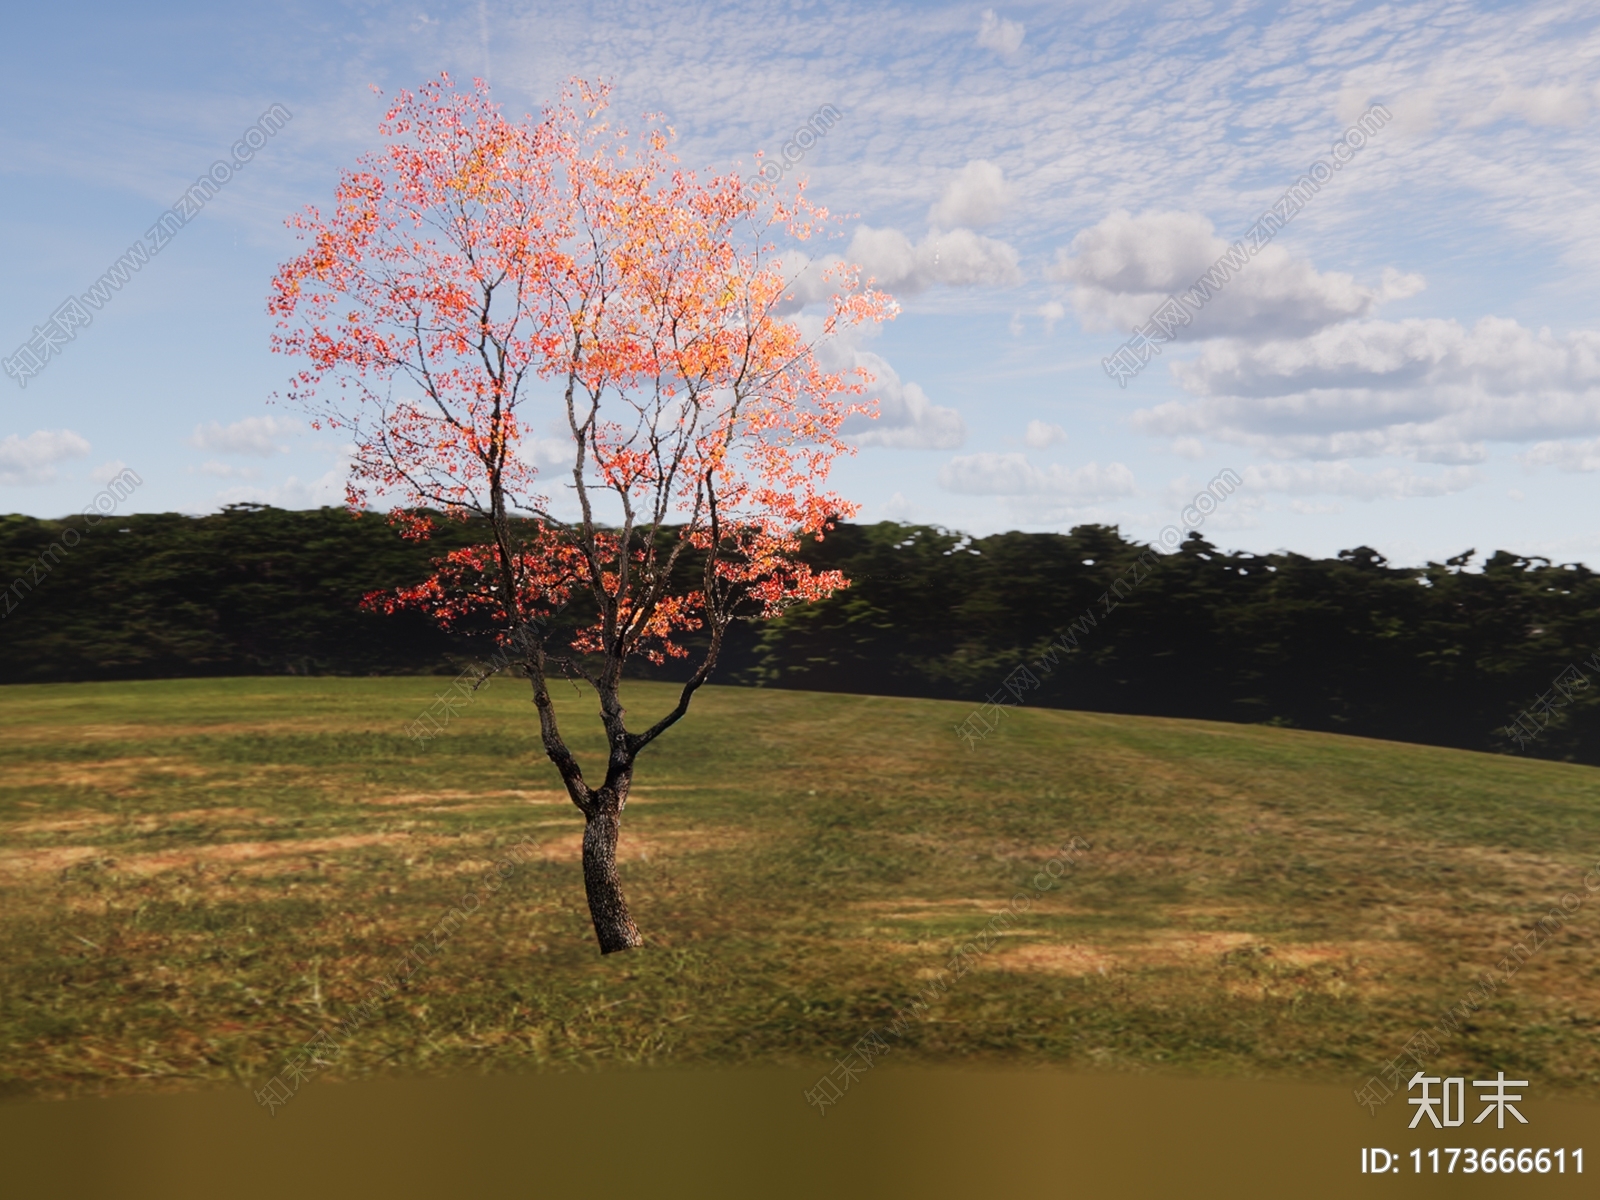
[477,277]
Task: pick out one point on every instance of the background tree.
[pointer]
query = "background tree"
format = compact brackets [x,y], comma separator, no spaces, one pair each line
[1444,654]
[477,278]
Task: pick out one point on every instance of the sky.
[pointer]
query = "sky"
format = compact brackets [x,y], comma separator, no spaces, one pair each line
[1411,362]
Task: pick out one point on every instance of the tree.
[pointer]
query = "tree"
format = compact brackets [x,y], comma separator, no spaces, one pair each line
[477,275]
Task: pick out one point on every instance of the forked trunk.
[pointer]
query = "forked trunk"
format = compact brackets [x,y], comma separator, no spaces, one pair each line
[607,906]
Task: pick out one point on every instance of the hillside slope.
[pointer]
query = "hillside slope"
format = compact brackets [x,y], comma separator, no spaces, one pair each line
[199,875]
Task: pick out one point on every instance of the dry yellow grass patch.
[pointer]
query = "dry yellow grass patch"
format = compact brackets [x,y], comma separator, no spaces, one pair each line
[125,731]
[454,800]
[69,823]
[912,909]
[239,852]
[114,775]
[1050,903]
[1056,959]
[17,866]
[75,821]
[32,863]
[1188,948]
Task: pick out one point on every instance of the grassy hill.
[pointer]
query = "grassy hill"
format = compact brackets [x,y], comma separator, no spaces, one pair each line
[198,875]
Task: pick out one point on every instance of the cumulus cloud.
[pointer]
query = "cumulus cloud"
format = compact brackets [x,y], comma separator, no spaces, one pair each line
[976,197]
[1013,475]
[1041,434]
[33,459]
[999,34]
[1125,267]
[907,419]
[257,436]
[953,258]
[1429,389]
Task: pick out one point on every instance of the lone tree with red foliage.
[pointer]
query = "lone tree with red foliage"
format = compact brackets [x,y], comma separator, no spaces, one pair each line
[478,277]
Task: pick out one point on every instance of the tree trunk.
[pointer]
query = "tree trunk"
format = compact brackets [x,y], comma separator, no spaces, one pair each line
[607,906]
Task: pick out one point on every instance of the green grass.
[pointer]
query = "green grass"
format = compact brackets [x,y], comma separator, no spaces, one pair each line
[198,875]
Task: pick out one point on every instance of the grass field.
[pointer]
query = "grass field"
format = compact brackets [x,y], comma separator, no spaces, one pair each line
[198,876]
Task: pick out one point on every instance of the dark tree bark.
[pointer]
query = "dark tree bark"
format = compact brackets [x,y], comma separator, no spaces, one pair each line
[608,907]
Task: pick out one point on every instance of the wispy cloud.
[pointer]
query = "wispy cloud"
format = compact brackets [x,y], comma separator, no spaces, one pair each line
[292,492]
[1342,479]
[1014,475]
[1564,456]
[255,436]
[1041,434]
[907,419]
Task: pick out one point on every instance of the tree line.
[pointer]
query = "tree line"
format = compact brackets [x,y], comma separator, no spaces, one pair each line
[1485,653]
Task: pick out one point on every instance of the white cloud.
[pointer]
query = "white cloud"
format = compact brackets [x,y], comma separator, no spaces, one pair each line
[976,197]
[293,492]
[957,258]
[1552,104]
[1041,434]
[1341,479]
[1415,112]
[1126,267]
[999,34]
[223,470]
[1564,456]
[1188,447]
[1051,311]
[1429,389]
[255,436]
[897,508]
[32,459]
[907,419]
[548,454]
[1013,475]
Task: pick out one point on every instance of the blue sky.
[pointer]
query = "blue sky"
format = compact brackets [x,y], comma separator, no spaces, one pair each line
[1413,364]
